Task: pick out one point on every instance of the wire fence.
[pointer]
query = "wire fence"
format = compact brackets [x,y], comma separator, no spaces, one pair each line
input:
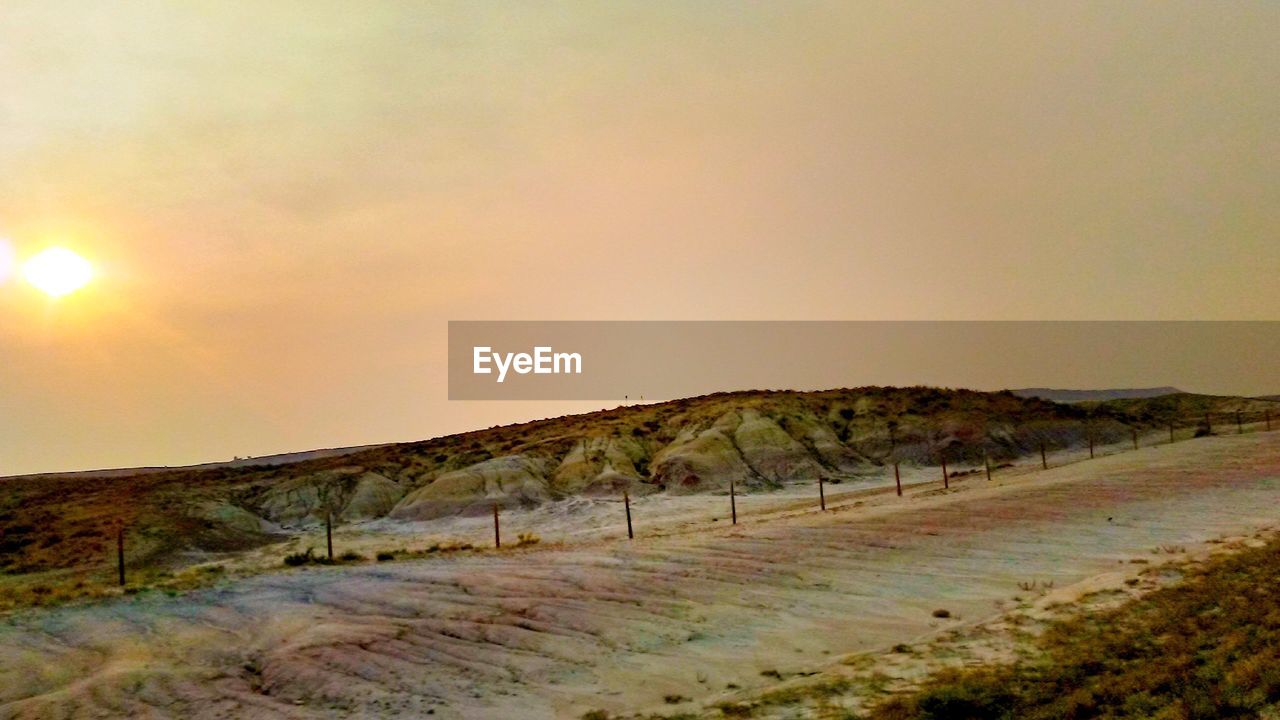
[1100,437]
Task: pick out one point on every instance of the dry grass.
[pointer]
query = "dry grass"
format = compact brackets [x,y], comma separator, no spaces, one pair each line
[61,588]
[1208,647]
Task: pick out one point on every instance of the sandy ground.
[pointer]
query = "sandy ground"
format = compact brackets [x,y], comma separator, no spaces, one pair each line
[596,621]
[849,687]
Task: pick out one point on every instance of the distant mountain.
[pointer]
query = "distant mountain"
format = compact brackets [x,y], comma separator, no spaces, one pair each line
[1075,396]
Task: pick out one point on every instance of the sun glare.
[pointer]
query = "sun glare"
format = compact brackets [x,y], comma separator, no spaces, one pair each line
[57,271]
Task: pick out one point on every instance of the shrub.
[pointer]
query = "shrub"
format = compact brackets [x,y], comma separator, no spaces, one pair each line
[302,558]
[973,696]
[385,556]
[741,710]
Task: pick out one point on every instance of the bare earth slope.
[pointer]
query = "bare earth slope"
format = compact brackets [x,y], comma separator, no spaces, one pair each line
[760,440]
[555,631]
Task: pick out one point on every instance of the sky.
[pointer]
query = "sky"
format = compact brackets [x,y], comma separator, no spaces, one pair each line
[286,202]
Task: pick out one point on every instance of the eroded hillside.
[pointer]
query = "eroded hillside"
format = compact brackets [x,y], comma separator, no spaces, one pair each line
[759,440]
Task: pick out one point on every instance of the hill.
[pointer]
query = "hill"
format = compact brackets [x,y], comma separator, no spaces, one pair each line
[258,461]
[1186,407]
[757,439]
[1074,396]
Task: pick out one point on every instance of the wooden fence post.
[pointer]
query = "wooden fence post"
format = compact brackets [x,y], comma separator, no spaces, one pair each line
[626,500]
[328,533]
[497,533]
[897,479]
[822,494]
[986,463]
[946,483]
[733,502]
[1044,459]
[120,553]
[1090,446]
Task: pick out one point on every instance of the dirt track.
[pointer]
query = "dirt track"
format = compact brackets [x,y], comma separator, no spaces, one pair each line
[555,631]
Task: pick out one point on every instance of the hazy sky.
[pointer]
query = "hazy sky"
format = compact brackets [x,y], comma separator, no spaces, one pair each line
[286,201]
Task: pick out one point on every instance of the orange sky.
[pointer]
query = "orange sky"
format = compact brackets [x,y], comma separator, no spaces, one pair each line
[287,201]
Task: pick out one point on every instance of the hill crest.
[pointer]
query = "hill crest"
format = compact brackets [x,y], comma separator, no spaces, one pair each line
[1064,395]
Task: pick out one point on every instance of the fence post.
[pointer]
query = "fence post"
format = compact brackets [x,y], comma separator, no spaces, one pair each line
[986,463]
[946,483]
[897,479]
[1044,459]
[328,533]
[822,494]
[1090,446]
[497,534]
[733,502]
[120,552]
[626,500]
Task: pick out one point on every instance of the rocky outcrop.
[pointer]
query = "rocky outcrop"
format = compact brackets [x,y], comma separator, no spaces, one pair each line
[236,519]
[372,497]
[755,440]
[510,481]
[351,493]
[771,452]
[700,461]
[826,448]
[601,465]
[750,448]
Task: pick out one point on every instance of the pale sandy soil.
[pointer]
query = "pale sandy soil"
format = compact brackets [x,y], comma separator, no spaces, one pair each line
[850,686]
[687,609]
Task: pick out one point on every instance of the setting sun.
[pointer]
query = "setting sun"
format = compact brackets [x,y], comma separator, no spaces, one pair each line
[57,271]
